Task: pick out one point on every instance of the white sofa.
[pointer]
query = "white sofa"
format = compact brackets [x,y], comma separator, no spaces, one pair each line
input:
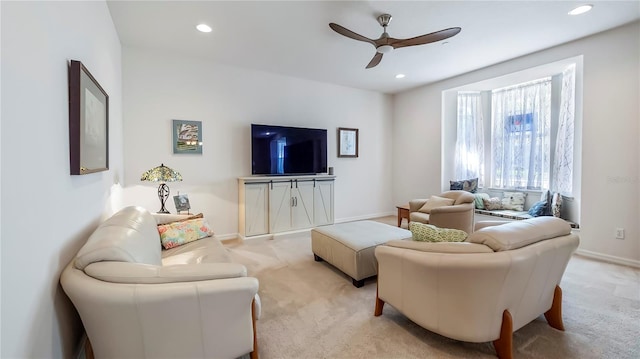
[139,301]
[497,281]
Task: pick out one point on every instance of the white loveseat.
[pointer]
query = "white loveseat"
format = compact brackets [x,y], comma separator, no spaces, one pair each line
[139,301]
[484,289]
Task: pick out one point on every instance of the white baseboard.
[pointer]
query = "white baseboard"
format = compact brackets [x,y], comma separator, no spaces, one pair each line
[228,236]
[366,216]
[609,258]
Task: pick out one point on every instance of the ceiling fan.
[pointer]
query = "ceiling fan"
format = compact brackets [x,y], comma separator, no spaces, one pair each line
[385,44]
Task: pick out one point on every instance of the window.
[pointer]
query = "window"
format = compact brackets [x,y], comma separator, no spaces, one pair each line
[520,135]
[527,139]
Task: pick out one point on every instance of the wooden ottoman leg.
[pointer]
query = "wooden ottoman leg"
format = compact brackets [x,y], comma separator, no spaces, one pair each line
[316,258]
[357,283]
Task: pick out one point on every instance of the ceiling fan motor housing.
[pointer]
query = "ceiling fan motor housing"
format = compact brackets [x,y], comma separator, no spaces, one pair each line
[384,20]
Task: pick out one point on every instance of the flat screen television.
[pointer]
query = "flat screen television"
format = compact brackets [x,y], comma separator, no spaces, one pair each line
[280,150]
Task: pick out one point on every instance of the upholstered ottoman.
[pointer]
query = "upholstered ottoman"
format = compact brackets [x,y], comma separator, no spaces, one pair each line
[350,246]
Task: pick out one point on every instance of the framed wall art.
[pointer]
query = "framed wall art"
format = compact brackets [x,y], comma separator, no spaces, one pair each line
[88,122]
[347,142]
[182,203]
[187,136]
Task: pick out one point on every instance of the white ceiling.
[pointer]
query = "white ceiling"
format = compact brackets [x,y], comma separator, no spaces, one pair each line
[293,38]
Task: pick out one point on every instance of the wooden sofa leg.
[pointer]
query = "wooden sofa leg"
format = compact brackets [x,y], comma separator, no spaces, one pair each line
[554,315]
[88,350]
[254,353]
[379,305]
[504,344]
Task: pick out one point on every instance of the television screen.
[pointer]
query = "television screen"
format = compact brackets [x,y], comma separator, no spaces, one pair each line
[279,150]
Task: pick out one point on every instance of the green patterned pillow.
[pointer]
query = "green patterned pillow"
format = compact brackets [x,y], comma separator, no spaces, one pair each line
[429,233]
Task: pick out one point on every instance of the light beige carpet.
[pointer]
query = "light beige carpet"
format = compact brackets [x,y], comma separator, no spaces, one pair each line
[311,310]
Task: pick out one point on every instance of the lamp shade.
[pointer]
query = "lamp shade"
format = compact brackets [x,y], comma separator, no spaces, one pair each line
[161,173]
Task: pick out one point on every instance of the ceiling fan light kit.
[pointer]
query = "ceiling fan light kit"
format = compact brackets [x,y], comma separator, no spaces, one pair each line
[385,44]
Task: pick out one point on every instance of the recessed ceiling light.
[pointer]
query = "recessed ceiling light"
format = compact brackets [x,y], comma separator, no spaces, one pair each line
[581,9]
[203,28]
[400,76]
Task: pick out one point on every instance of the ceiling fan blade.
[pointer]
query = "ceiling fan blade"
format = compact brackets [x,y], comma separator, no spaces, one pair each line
[350,34]
[426,39]
[375,60]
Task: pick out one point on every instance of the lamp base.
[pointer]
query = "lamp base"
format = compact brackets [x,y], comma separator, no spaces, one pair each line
[163,194]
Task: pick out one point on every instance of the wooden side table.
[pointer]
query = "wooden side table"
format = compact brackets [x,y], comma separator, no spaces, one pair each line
[403,212]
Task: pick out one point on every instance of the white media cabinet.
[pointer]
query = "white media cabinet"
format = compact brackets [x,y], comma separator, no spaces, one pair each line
[274,204]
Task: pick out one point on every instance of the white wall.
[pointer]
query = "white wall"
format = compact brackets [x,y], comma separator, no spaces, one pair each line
[159,87]
[610,127]
[47,213]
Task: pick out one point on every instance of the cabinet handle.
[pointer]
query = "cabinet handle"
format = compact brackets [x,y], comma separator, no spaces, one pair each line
[295,200]
[296,183]
[291,202]
[290,183]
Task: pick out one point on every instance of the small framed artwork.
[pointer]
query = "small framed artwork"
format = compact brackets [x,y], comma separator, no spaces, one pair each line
[182,203]
[347,142]
[187,136]
[88,122]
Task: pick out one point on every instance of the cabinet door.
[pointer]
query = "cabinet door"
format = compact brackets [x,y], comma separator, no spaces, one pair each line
[323,203]
[256,209]
[280,202]
[302,210]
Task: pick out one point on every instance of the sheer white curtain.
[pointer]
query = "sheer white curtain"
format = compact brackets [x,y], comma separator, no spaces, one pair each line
[520,144]
[469,156]
[563,159]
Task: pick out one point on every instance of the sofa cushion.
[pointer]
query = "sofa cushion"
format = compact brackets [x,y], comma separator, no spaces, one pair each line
[435,202]
[430,233]
[517,234]
[178,233]
[206,250]
[130,235]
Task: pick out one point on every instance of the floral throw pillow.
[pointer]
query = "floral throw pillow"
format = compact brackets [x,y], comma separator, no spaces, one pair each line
[469,185]
[514,201]
[492,204]
[430,233]
[556,204]
[178,233]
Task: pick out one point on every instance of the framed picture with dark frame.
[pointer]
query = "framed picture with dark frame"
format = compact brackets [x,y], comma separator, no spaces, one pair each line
[182,203]
[88,122]
[347,142]
[187,136]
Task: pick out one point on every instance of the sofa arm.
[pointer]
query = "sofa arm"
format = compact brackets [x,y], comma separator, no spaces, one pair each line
[135,273]
[416,204]
[205,319]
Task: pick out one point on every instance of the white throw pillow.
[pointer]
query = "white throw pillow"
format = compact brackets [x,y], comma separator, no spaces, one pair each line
[513,201]
[435,202]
